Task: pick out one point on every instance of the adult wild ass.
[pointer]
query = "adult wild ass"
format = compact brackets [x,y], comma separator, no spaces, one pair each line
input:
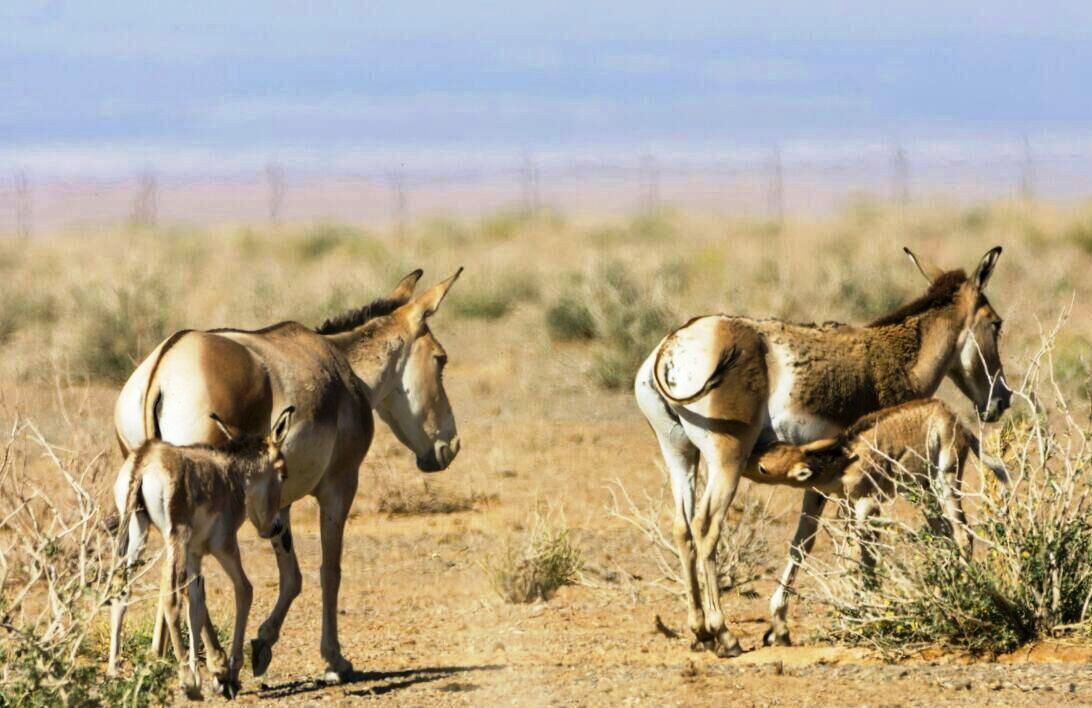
[198,497]
[381,356]
[921,443]
[719,384]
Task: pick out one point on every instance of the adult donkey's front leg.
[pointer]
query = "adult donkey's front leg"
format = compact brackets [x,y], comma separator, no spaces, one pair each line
[291,582]
[335,496]
[802,543]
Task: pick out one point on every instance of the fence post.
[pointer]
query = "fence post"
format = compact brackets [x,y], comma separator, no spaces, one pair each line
[900,176]
[24,207]
[1027,172]
[775,196]
[530,184]
[396,180]
[274,175]
[650,178]
[145,204]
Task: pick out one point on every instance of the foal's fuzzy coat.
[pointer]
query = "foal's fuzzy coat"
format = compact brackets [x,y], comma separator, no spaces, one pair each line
[198,497]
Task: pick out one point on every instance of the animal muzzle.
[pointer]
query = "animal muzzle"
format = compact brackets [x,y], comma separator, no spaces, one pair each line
[440,457]
[274,529]
[999,402]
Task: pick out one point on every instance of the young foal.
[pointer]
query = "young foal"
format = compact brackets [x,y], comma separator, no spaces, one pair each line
[198,497]
[920,443]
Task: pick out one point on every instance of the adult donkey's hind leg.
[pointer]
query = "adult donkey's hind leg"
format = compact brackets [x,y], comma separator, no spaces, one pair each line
[681,460]
[725,454]
[291,582]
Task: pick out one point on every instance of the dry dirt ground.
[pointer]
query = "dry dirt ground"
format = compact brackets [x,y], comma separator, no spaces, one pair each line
[422,625]
[419,619]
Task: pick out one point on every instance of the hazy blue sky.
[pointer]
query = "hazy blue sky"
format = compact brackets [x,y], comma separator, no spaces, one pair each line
[96,81]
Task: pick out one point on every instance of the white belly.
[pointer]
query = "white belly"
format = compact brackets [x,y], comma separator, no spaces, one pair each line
[787,419]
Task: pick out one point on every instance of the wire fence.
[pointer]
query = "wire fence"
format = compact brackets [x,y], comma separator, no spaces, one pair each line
[770,187]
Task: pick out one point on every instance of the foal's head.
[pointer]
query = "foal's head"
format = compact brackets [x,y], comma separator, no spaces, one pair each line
[265,471]
[813,465]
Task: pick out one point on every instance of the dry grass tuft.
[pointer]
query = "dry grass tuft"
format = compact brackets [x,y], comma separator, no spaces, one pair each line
[534,567]
[415,496]
[58,574]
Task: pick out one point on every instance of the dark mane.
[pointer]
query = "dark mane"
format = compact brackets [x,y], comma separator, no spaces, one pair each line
[242,446]
[940,294]
[354,318]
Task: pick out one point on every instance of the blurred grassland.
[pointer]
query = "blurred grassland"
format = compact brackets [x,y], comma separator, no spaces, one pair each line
[87,306]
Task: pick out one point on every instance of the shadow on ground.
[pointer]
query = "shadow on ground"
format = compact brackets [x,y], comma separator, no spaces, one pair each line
[384,681]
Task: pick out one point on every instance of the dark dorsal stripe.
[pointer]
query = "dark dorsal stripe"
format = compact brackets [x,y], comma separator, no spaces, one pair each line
[354,318]
[941,293]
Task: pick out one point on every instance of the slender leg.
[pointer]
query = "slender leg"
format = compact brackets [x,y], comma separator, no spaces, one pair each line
[197,615]
[948,482]
[291,581]
[682,458]
[334,497]
[159,628]
[864,509]
[138,536]
[232,564]
[724,456]
[177,562]
[802,543]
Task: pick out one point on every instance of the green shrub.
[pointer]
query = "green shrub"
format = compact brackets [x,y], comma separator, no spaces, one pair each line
[625,320]
[494,299]
[21,309]
[323,240]
[120,326]
[570,320]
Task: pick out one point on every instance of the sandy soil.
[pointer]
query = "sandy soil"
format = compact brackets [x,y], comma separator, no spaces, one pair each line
[422,625]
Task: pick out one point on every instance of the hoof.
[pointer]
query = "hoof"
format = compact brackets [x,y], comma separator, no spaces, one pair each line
[338,673]
[771,639]
[726,650]
[261,653]
[229,688]
[192,691]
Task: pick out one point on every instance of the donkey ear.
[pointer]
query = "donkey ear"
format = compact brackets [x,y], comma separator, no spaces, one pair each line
[985,267]
[824,445]
[222,426]
[425,306]
[925,267]
[404,290]
[280,429]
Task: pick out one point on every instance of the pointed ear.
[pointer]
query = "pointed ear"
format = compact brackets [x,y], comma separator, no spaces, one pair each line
[927,268]
[279,431]
[426,305]
[222,426]
[824,445]
[404,290]
[985,267]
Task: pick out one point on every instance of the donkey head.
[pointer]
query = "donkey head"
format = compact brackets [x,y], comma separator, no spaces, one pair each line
[265,473]
[415,404]
[976,367]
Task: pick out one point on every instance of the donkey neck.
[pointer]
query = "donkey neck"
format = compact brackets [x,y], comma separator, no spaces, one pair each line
[914,354]
[372,358]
